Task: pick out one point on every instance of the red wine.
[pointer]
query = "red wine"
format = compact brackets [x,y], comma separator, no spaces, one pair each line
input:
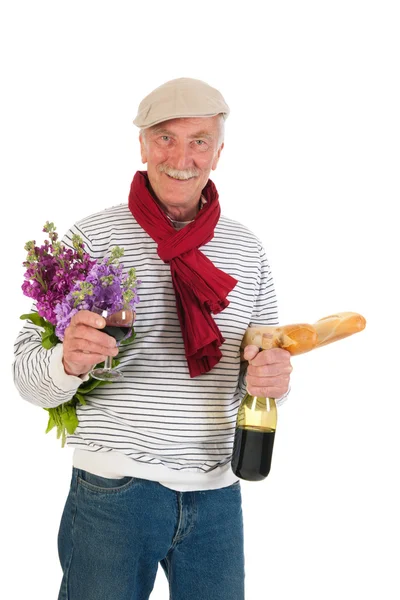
[118,333]
[252,453]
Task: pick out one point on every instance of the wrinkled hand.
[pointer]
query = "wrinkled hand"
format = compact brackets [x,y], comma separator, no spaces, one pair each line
[268,373]
[84,345]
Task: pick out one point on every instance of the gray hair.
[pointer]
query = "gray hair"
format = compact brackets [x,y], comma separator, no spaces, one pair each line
[221,135]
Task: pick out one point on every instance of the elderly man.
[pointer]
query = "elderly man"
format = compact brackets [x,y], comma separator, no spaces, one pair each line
[152,480]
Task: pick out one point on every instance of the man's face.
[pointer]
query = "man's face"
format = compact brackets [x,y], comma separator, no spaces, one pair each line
[180,153]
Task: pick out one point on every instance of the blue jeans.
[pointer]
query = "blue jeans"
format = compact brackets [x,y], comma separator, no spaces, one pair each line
[114,532]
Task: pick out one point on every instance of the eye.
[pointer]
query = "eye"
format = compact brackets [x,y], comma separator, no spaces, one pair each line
[165,138]
[202,145]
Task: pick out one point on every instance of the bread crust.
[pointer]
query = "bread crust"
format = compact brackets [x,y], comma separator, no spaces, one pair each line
[338,326]
[303,337]
[296,339]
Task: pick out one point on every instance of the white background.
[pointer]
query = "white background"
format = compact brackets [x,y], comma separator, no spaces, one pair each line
[311,164]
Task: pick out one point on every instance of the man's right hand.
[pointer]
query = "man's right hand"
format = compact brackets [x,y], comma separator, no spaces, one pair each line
[84,345]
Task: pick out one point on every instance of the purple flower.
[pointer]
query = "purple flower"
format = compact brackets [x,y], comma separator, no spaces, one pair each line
[63,281]
[52,271]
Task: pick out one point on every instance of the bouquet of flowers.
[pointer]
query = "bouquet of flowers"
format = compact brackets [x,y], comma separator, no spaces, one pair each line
[63,281]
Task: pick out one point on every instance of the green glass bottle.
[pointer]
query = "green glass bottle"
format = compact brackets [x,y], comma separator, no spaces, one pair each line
[254,438]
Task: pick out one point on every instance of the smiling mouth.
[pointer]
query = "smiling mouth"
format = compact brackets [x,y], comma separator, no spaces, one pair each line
[176,179]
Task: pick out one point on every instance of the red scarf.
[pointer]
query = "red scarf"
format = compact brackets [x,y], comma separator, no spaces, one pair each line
[200,288]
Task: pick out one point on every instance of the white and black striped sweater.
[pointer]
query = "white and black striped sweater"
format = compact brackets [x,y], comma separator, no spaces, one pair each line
[158,424]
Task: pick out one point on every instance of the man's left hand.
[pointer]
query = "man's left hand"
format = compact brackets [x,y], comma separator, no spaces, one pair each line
[268,373]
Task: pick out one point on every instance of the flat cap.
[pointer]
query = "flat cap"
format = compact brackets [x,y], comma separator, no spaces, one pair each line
[180,98]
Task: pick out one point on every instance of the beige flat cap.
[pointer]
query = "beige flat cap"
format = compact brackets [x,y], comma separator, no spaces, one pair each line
[180,98]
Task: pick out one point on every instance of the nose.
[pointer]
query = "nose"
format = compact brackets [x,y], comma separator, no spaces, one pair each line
[181,157]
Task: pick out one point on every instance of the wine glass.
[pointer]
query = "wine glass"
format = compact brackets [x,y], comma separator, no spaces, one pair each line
[119,326]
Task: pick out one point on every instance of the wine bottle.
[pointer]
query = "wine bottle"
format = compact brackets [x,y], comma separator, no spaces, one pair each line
[254,438]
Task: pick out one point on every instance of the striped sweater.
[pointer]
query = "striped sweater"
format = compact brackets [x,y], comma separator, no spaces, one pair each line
[159,423]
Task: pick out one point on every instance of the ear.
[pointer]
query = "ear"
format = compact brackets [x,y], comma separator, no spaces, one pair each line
[143,151]
[216,157]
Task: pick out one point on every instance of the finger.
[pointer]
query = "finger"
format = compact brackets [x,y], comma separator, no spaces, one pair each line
[267,392]
[250,352]
[274,370]
[279,381]
[90,334]
[89,318]
[271,356]
[84,359]
[86,346]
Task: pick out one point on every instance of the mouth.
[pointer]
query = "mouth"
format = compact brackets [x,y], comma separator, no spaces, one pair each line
[178,180]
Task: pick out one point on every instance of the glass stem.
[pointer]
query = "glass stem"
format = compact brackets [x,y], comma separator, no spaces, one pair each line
[108,363]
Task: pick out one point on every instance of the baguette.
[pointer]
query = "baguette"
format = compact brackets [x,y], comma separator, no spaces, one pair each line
[303,337]
[296,339]
[336,327]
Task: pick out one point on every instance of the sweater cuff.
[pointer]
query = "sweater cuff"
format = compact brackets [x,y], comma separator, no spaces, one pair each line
[68,383]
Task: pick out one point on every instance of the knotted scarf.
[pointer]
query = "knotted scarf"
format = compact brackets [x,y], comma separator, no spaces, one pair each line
[200,287]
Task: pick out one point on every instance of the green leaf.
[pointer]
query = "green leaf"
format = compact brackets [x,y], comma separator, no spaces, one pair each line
[35,319]
[80,397]
[63,417]
[49,338]
[69,419]
[48,342]
[130,339]
[89,385]
[51,423]
[49,329]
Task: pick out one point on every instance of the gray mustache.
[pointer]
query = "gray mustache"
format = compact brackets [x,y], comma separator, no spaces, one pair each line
[176,173]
